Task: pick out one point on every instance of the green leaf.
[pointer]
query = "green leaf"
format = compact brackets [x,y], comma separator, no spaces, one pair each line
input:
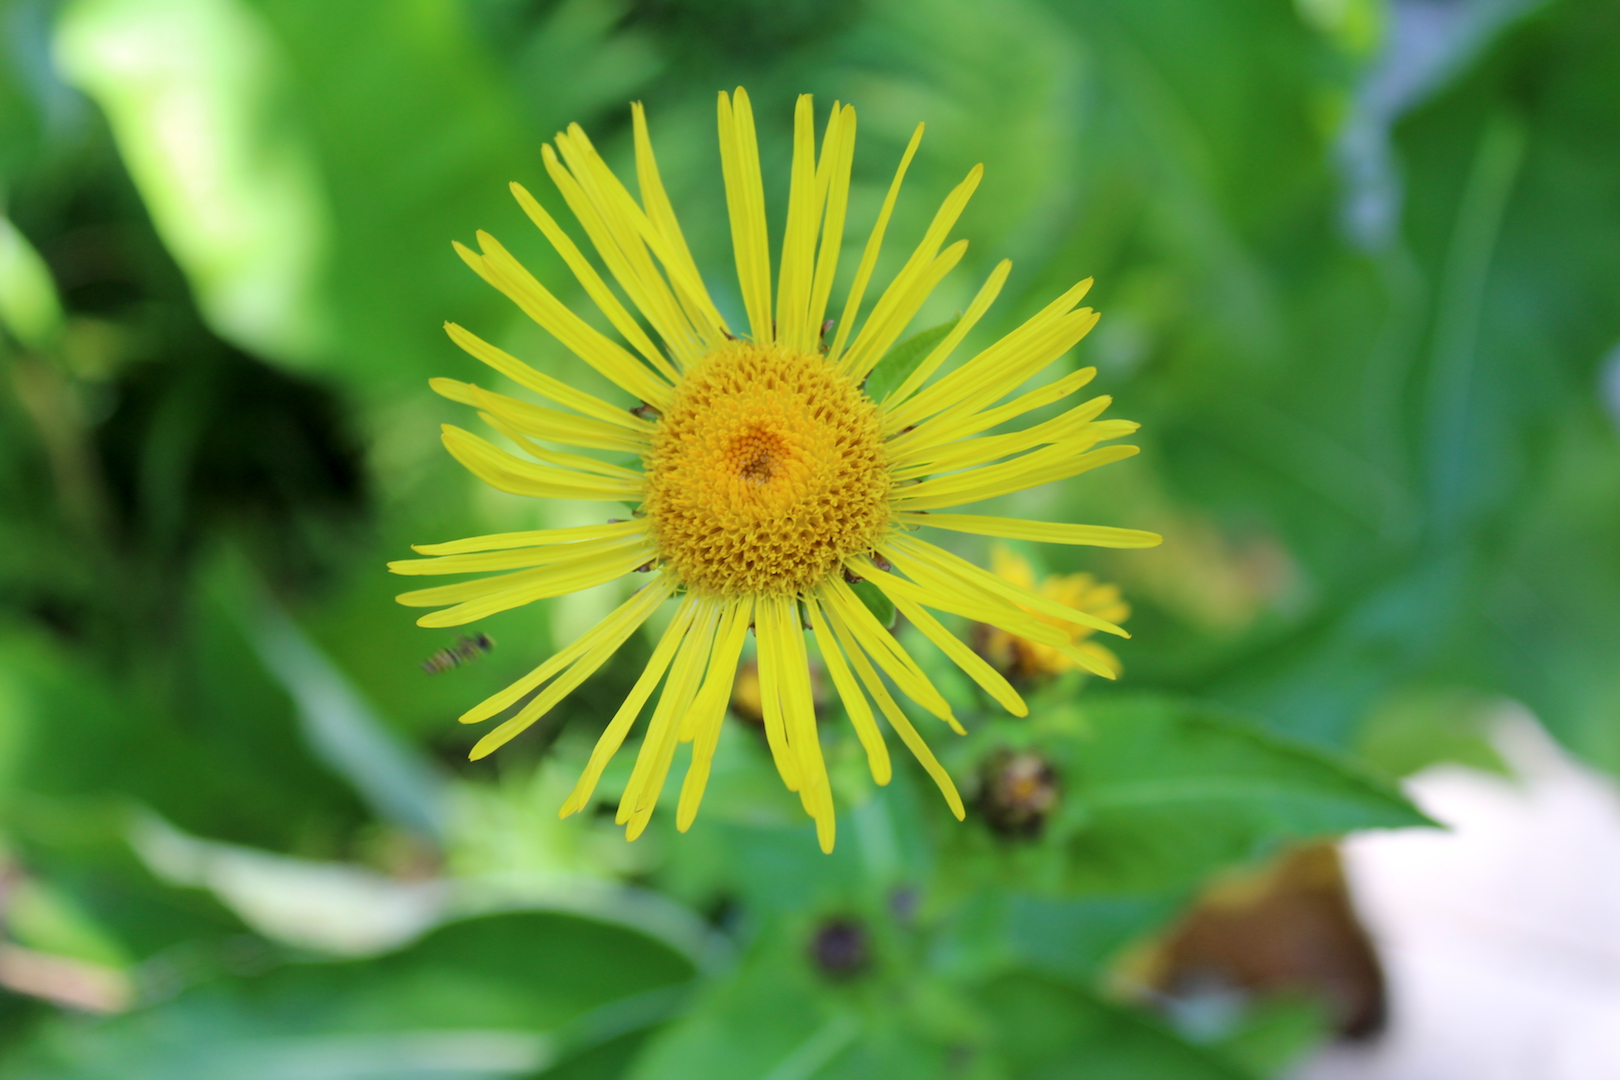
[1054,1031]
[776,1016]
[1157,794]
[502,996]
[876,602]
[900,361]
[1162,793]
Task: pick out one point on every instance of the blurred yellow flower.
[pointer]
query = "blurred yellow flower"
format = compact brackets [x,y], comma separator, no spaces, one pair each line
[1027,658]
[768,478]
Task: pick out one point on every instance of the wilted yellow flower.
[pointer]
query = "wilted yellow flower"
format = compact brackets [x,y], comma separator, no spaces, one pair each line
[1029,658]
[765,476]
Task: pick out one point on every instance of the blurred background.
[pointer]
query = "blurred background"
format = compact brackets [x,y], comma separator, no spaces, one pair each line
[1357,262]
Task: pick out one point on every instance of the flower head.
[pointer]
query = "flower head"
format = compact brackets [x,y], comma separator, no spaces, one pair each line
[1029,658]
[769,478]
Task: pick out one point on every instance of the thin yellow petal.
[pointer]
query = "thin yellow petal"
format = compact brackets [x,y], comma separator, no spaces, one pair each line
[897,719]
[680,265]
[619,230]
[770,696]
[911,549]
[711,716]
[527,586]
[497,266]
[1076,427]
[512,474]
[837,155]
[532,538]
[613,736]
[971,663]
[855,704]
[563,459]
[874,244]
[981,303]
[1056,462]
[998,370]
[543,384]
[1045,532]
[616,628]
[541,422]
[890,655]
[890,319]
[640,797]
[955,424]
[595,287]
[799,709]
[797,274]
[869,346]
[745,200]
[613,537]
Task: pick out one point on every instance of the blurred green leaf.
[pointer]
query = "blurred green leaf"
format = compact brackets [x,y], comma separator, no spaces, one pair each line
[1052,1031]
[29,308]
[500,996]
[900,361]
[1156,794]
[876,601]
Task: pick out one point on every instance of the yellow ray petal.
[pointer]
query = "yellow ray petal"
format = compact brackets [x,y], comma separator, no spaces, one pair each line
[710,713]
[745,200]
[623,720]
[860,713]
[512,474]
[541,422]
[563,459]
[971,663]
[585,664]
[1075,428]
[797,274]
[497,266]
[911,549]
[770,696]
[618,229]
[663,730]
[612,631]
[595,287]
[543,384]
[526,586]
[679,263]
[799,716]
[622,536]
[890,319]
[981,303]
[837,155]
[897,719]
[874,244]
[1045,532]
[532,538]
[998,370]
[1056,462]
[954,424]
[890,655]
[868,346]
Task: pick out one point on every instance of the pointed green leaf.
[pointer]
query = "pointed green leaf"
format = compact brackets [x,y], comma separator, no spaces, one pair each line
[902,360]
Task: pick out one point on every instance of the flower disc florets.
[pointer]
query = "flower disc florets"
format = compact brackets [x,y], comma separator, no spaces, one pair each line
[767,470]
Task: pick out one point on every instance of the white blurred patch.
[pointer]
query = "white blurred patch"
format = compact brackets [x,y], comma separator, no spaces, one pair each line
[1500,937]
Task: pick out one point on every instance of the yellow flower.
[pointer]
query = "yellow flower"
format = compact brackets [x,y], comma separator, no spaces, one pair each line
[1029,658]
[769,479]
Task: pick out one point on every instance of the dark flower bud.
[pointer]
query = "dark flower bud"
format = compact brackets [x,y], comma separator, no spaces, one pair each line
[1018,791]
[841,948]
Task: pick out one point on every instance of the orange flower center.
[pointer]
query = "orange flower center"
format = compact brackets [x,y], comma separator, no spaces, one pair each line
[766,472]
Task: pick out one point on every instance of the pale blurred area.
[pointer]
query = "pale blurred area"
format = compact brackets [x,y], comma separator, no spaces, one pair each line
[1500,938]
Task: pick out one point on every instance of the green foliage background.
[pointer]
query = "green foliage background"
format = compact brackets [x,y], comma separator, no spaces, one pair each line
[1357,266]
